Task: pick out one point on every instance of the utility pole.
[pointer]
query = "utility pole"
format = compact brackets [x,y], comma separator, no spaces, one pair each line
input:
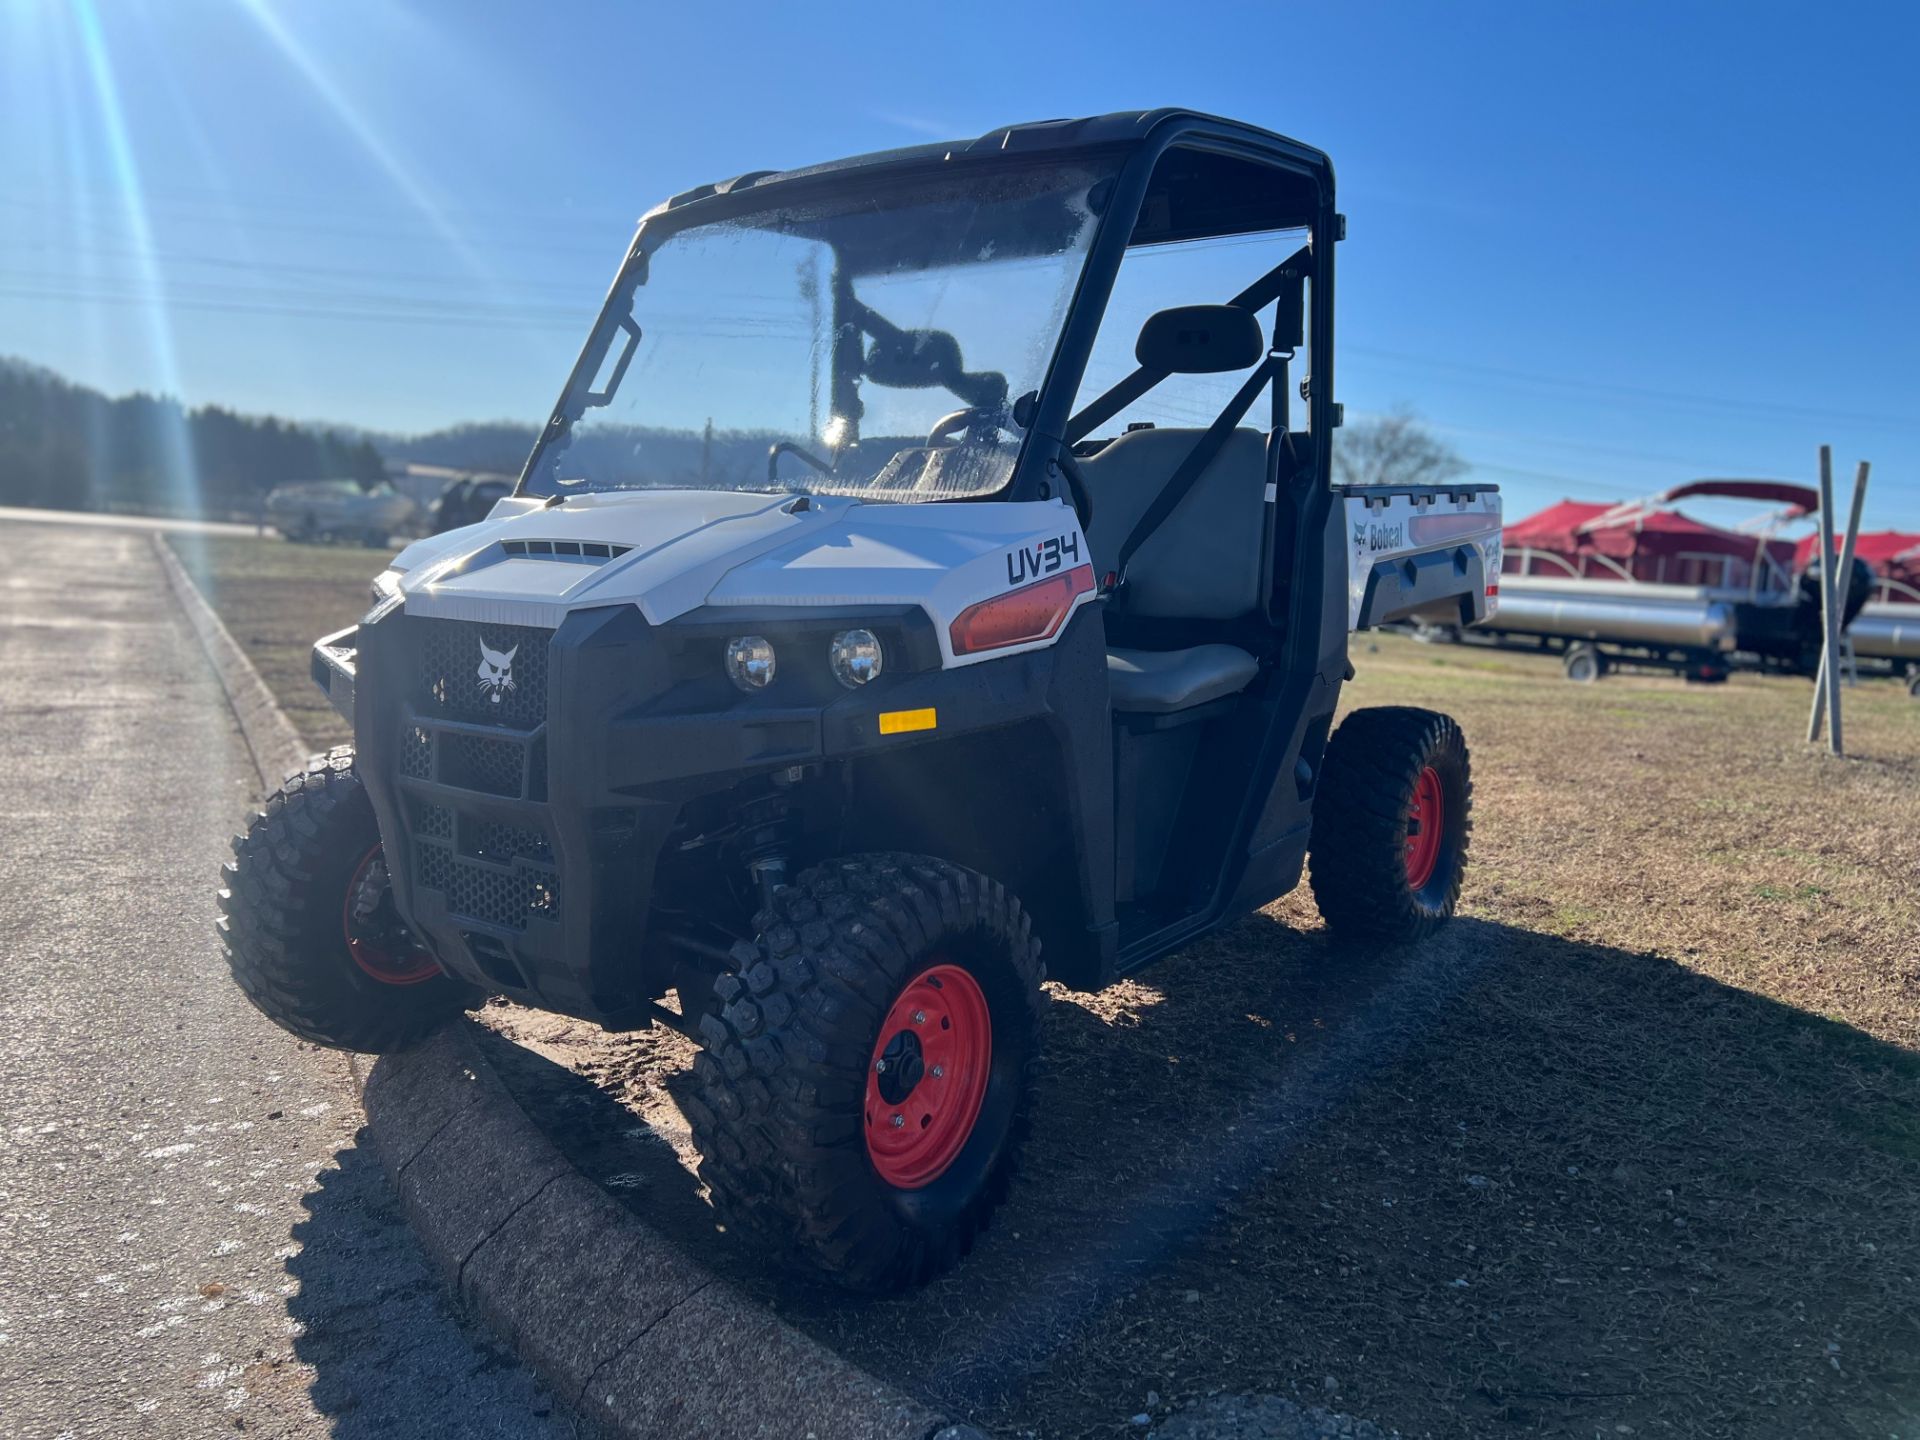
[706,453]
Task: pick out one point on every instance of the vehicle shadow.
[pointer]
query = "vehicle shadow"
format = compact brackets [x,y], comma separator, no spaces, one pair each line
[1499,1180]
[388,1355]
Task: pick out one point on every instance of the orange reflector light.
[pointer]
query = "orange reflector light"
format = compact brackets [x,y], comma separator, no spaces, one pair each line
[901,722]
[1033,612]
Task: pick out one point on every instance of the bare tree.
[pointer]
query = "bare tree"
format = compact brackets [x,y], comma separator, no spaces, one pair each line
[1395,449]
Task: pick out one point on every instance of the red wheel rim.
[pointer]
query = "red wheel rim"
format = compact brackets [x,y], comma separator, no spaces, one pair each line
[390,965]
[927,1076]
[1426,824]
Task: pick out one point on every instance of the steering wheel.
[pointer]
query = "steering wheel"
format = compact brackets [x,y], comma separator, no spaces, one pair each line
[946,430]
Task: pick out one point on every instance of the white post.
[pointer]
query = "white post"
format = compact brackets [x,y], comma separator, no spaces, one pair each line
[1827,682]
[1843,575]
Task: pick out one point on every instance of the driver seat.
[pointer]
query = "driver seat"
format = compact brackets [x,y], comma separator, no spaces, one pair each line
[1205,562]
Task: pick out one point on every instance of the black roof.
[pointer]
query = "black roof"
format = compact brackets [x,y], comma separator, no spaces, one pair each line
[1118,130]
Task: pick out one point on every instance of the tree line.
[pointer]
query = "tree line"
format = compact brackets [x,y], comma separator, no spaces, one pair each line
[65,446]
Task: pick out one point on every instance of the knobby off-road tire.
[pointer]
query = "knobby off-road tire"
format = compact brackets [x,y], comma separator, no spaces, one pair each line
[876,1176]
[293,941]
[1380,866]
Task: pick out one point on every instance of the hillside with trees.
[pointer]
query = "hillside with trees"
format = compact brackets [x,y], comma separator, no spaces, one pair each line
[497,446]
[65,446]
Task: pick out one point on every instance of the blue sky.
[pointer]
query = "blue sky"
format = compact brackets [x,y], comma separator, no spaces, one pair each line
[1601,248]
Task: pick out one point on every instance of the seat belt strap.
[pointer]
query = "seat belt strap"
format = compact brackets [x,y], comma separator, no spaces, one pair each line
[1205,451]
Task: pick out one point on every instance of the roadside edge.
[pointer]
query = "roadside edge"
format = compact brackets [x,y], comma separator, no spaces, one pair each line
[276,747]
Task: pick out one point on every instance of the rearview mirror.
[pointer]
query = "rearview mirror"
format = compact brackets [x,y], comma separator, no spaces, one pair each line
[914,359]
[1200,340]
[922,359]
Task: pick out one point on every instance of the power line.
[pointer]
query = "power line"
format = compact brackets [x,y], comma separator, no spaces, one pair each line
[1670,398]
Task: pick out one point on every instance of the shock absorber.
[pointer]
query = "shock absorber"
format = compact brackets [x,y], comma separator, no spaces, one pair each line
[765,842]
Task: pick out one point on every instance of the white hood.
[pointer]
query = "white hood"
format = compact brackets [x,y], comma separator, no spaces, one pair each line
[689,548]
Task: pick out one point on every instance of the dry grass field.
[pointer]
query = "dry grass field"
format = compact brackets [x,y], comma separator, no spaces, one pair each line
[1633,1148]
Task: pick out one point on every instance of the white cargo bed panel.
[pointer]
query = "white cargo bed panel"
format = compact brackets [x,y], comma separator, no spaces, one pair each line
[1386,522]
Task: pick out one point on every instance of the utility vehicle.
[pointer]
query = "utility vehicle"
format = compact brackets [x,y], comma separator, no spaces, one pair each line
[930,565]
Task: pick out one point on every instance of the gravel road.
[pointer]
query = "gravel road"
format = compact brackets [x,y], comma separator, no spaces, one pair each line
[192,1240]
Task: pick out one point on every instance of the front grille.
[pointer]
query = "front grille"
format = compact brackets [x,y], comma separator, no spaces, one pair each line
[490,872]
[478,707]
[479,762]
[434,864]
[507,899]
[462,676]
[503,895]
[435,822]
[416,753]
[504,844]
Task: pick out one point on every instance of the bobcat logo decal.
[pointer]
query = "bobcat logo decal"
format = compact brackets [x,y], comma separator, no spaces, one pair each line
[496,671]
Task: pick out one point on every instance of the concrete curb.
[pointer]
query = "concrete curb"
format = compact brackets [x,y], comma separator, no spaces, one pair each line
[638,1337]
[275,745]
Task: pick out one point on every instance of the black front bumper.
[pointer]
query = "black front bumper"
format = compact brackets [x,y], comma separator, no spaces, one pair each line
[524,833]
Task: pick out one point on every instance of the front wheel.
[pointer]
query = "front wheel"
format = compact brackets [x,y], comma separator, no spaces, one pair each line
[309,925]
[862,1096]
[1391,818]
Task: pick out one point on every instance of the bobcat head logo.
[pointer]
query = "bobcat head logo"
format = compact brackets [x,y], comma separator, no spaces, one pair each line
[496,671]
[1359,534]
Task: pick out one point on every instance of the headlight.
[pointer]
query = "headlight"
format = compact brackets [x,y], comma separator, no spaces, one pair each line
[856,657]
[750,662]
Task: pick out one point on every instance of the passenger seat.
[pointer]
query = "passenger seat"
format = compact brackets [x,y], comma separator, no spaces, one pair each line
[1203,563]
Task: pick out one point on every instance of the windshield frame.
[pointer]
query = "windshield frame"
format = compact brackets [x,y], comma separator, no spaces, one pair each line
[741,200]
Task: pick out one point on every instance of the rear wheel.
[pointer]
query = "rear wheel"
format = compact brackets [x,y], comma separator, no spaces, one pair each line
[862,1097]
[1584,664]
[309,925]
[1391,819]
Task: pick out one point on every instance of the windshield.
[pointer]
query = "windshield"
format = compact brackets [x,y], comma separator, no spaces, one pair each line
[885,342]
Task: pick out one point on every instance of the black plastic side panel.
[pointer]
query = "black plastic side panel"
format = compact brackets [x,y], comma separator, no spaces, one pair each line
[1278,846]
[1016,781]
[1152,768]
[1446,584]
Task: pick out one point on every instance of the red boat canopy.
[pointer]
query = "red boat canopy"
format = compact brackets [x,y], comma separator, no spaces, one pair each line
[1642,542]
[1802,499]
[1876,547]
[1555,528]
[1893,554]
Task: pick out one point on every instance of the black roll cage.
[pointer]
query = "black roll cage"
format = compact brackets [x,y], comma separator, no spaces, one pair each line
[1138,141]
